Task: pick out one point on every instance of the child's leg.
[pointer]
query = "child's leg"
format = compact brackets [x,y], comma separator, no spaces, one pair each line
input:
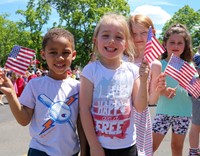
[157,139]
[161,125]
[195,128]
[194,136]
[180,127]
[194,140]
[177,144]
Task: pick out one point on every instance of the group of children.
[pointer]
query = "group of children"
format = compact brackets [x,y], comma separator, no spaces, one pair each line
[108,108]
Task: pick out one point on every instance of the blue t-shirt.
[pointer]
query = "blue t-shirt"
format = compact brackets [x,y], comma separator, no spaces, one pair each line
[180,105]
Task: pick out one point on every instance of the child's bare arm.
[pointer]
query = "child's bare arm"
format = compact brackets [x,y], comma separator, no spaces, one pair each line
[83,141]
[21,113]
[85,100]
[140,88]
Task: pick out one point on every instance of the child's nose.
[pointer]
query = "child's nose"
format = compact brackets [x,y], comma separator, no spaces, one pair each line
[60,57]
[111,40]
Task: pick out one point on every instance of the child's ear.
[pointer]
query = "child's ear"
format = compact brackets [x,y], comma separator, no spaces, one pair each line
[154,32]
[42,54]
[74,55]
[94,40]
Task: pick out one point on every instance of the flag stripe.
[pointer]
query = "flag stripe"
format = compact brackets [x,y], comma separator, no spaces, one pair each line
[11,62]
[19,61]
[172,72]
[15,69]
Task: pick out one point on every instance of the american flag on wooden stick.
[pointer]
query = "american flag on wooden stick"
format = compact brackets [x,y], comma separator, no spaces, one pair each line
[19,59]
[180,70]
[153,48]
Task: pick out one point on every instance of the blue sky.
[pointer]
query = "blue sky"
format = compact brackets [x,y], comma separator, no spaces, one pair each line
[158,11]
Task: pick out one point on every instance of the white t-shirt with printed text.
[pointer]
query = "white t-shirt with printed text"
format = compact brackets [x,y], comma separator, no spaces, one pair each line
[112,108]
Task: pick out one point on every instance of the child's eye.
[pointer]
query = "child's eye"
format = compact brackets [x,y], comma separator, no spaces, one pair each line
[105,36]
[119,37]
[144,33]
[134,34]
[67,52]
[53,52]
[180,43]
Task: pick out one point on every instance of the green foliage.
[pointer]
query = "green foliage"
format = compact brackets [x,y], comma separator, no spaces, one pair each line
[80,18]
[36,16]
[8,37]
[190,18]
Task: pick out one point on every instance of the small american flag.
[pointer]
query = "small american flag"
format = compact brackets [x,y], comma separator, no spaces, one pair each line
[19,59]
[194,87]
[180,70]
[153,48]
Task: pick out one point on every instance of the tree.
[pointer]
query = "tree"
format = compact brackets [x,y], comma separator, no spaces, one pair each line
[8,37]
[80,18]
[36,16]
[188,17]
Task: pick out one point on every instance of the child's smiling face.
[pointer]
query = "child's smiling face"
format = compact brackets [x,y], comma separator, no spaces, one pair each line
[111,40]
[59,55]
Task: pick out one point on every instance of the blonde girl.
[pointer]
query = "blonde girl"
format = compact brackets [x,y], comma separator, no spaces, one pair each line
[109,90]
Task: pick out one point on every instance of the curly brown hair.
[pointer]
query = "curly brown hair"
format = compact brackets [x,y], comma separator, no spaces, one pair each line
[56,33]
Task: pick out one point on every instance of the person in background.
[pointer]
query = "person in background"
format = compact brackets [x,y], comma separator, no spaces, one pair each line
[38,73]
[195,127]
[20,83]
[44,72]
[1,95]
[49,104]
[25,77]
[73,74]
[1,98]
[174,106]
[77,73]
[109,90]
[32,75]
[139,26]
[13,79]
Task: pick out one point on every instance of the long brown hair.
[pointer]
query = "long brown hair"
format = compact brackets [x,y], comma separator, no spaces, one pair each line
[181,30]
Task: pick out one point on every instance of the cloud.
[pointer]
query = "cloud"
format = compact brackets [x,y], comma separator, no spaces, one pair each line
[11,1]
[152,2]
[164,3]
[156,13]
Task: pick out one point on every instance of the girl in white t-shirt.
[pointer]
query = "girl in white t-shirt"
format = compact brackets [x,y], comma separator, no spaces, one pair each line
[109,90]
